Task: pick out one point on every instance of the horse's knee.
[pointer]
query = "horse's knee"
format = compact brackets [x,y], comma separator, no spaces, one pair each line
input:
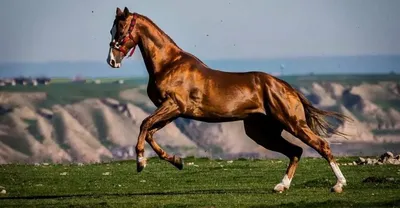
[146,124]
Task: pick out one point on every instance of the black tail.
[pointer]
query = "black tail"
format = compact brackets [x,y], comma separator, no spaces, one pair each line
[316,121]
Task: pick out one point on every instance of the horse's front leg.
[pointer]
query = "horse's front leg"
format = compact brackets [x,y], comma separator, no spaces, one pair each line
[167,111]
[174,160]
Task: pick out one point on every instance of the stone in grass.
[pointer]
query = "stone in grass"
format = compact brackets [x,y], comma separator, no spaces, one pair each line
[386,156]
[3,190]
[369,161]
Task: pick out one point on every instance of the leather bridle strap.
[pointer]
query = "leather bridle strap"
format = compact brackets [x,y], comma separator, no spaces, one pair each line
[121,45]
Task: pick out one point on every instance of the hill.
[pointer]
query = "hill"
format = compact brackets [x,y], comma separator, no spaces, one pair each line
[89,122]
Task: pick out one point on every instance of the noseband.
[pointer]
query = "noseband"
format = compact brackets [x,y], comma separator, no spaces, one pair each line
[120,45]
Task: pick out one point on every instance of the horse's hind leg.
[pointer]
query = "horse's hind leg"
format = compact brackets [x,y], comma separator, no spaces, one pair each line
[288,108]
[267,133]
[305,134]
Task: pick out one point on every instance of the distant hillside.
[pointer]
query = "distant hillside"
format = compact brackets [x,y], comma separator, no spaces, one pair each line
[287,66]
[90,122]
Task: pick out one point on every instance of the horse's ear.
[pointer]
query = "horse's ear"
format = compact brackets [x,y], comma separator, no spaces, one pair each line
[118,12]
[126,11]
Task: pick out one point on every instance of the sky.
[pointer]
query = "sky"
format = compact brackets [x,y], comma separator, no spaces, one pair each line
[57,30]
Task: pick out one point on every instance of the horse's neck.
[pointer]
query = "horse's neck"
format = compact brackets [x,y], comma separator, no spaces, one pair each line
[156,47]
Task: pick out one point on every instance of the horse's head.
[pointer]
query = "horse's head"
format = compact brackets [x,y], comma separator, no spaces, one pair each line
[124,37]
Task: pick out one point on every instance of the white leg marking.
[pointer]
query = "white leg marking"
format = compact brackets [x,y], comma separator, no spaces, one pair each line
[286,181]
[338,173]
[285,184]
[141,159]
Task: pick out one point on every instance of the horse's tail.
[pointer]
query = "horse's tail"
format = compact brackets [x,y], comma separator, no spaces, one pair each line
[316,121]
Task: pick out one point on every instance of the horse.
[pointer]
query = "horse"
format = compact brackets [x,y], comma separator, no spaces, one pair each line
[181,85]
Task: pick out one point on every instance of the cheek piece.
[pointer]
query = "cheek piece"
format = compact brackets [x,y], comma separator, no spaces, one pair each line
[120,45]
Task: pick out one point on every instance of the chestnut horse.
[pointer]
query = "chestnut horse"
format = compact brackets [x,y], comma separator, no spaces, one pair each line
[181,85]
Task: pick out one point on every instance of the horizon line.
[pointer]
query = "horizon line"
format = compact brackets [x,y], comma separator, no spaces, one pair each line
[310,74]
[213,59]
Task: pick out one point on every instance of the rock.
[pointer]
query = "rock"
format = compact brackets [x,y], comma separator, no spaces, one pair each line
[369,161]
[391,160]
[354,163]
[387,155]
[3,190]
[361,160]
[397,157]
[379,163]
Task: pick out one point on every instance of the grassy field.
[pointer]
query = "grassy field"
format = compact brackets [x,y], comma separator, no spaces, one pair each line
[62,92]
[206,183]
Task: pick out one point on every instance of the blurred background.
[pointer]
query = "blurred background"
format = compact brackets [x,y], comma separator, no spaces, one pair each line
[61,102]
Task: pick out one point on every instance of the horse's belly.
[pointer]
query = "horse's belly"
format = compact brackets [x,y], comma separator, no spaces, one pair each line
[223,111]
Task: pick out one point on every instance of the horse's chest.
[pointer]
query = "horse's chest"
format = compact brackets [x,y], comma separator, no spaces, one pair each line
[156,95]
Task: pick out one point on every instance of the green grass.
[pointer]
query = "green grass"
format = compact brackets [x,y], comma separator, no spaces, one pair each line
[214,183]
[385,131]
[345,79]
[386,104]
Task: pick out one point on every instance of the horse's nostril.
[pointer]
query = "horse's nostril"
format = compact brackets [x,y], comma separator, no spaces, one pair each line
[112,62]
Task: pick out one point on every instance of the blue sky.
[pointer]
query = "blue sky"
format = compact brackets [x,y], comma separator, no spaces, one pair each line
[55,30]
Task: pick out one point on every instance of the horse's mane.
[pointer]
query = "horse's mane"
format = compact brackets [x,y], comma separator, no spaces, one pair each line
[149,21]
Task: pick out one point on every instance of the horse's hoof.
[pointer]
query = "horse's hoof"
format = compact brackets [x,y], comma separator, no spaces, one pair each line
[140,164]
[178,162]
[279,188]
[337,188]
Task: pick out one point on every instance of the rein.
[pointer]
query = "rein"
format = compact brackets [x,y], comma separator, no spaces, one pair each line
[119,45]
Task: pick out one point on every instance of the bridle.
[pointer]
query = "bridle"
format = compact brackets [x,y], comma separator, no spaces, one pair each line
[120,45]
